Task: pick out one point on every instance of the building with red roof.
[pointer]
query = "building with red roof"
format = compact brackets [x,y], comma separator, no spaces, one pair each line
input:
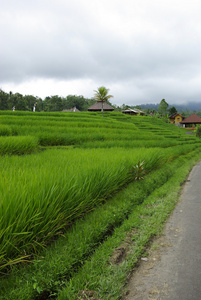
[191,121]
[176,118]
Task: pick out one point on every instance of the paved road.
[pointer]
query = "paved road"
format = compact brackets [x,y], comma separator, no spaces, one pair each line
[173,269]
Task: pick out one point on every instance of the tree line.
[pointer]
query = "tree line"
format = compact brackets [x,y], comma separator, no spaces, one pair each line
[10,100]
[17,101]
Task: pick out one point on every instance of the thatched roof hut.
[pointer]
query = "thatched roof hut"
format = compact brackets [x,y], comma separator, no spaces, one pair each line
[98,107]
[133,111]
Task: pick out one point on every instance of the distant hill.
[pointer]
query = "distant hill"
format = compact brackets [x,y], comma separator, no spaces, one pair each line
[191,106]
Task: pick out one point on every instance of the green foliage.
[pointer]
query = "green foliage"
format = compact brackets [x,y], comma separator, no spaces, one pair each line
[163,108]
[198,131]
[79,180]
[50,193]
[101,94]
[18,145]
[4,100]
[5,130]
[172,110]
[138,171]
[88,129]
[100,273]
[80,102]
[58,264]
[53,103]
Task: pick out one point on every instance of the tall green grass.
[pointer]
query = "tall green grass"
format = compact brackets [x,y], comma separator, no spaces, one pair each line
[107,279]
[5,130]
[18,145]
[43,193]
[92,131]
[61,262]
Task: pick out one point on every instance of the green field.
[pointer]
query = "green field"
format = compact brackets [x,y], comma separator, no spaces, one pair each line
[73,188]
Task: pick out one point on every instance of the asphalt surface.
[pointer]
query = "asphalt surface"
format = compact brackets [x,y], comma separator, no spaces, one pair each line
[173,269]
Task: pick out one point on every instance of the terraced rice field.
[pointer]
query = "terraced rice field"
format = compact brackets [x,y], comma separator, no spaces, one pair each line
[64,177]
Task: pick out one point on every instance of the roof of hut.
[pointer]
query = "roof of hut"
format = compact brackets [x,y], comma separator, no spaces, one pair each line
[193,119]
[133,110]
[174,115]
[98,107]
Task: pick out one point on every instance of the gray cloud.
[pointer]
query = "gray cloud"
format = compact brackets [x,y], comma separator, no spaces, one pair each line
[143,51]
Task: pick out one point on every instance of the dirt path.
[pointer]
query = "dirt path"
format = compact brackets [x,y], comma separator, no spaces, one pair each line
[173,268]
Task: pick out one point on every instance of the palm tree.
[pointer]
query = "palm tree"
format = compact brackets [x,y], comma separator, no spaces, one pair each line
[102,95]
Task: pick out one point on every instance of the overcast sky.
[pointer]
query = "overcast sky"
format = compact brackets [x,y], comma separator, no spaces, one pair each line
[141,50]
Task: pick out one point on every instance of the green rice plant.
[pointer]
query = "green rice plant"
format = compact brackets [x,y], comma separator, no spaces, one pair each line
[107,279]
[60,261]
[79,180]
[14,130]
[37,204]
[5,130]
[51,139]
[130,144]
[68,129]
[198,131]
[18,145]
[45,193]
[61,121]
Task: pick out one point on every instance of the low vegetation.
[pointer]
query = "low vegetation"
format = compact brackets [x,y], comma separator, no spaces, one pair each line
[198,131]
[75,187]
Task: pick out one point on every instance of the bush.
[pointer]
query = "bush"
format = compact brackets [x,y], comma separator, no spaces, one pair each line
[198,131]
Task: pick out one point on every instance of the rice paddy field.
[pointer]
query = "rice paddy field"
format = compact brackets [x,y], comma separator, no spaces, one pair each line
[73,188]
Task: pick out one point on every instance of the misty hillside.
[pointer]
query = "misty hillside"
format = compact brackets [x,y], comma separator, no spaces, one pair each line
[191,106]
